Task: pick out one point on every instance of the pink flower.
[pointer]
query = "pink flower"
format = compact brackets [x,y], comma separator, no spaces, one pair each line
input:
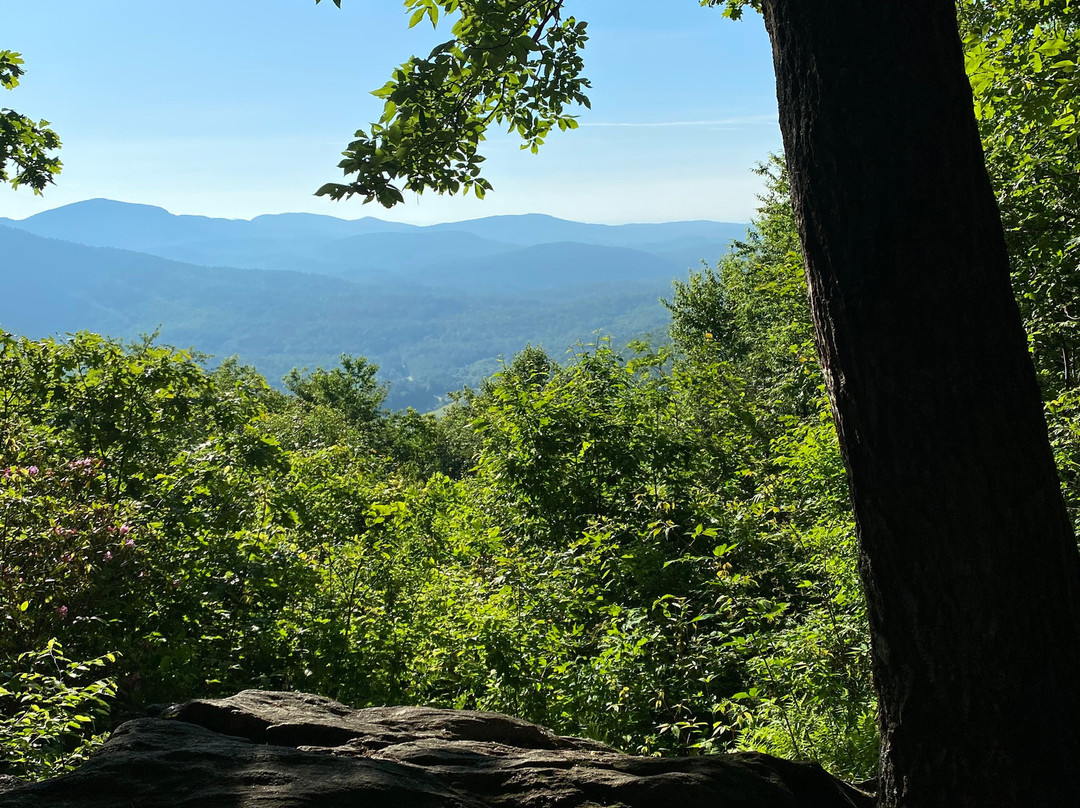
[107,556]
[32,471]
[129,543]
[125,529]
[62,611]
[175,582]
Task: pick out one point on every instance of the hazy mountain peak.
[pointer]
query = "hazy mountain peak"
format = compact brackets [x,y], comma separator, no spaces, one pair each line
[99,207]
[302,240]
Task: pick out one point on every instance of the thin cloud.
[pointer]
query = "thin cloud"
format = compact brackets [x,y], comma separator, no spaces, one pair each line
[748,119]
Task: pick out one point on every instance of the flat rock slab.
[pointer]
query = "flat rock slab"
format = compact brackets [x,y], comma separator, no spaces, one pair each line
[263,749]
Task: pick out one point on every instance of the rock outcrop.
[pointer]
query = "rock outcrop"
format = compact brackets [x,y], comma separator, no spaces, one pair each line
[263,749]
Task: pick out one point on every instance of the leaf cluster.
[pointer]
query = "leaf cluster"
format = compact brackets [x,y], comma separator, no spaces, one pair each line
[512,63]
[51,717]
[25,145]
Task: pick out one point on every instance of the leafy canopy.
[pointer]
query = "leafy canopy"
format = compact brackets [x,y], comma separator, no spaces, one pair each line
[24,144]
[352,388]
[513,63]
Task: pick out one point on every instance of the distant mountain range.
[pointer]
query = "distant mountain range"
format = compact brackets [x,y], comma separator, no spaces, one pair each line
[434,306]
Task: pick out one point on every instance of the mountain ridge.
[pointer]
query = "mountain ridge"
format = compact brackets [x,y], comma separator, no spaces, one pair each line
[100,222]
[434,306]
[427,340]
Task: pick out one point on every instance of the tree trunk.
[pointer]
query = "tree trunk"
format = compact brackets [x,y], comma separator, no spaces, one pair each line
[968,558]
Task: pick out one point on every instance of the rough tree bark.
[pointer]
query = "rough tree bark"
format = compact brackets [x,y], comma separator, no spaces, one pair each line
[969,561]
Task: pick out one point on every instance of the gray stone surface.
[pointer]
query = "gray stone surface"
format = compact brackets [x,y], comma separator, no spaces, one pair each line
[263,749]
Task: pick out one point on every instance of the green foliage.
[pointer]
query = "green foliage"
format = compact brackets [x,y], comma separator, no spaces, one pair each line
[507,63]
[24,144]
[51,718]
[1022,57]
[345,405]
[126,471]
[751,311]
[351,390]
[733,9]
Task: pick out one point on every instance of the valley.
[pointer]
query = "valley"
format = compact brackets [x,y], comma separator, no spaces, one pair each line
[435,307]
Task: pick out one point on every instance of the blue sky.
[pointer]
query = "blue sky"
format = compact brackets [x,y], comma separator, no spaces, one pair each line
[240,107]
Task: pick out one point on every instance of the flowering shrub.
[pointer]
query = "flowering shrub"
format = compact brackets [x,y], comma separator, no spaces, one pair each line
[58,535]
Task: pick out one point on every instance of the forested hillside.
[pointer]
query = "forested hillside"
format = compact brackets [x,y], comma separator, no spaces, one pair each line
[434,307]
[652,546]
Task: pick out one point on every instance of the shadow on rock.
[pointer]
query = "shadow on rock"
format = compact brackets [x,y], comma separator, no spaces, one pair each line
[263,749]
